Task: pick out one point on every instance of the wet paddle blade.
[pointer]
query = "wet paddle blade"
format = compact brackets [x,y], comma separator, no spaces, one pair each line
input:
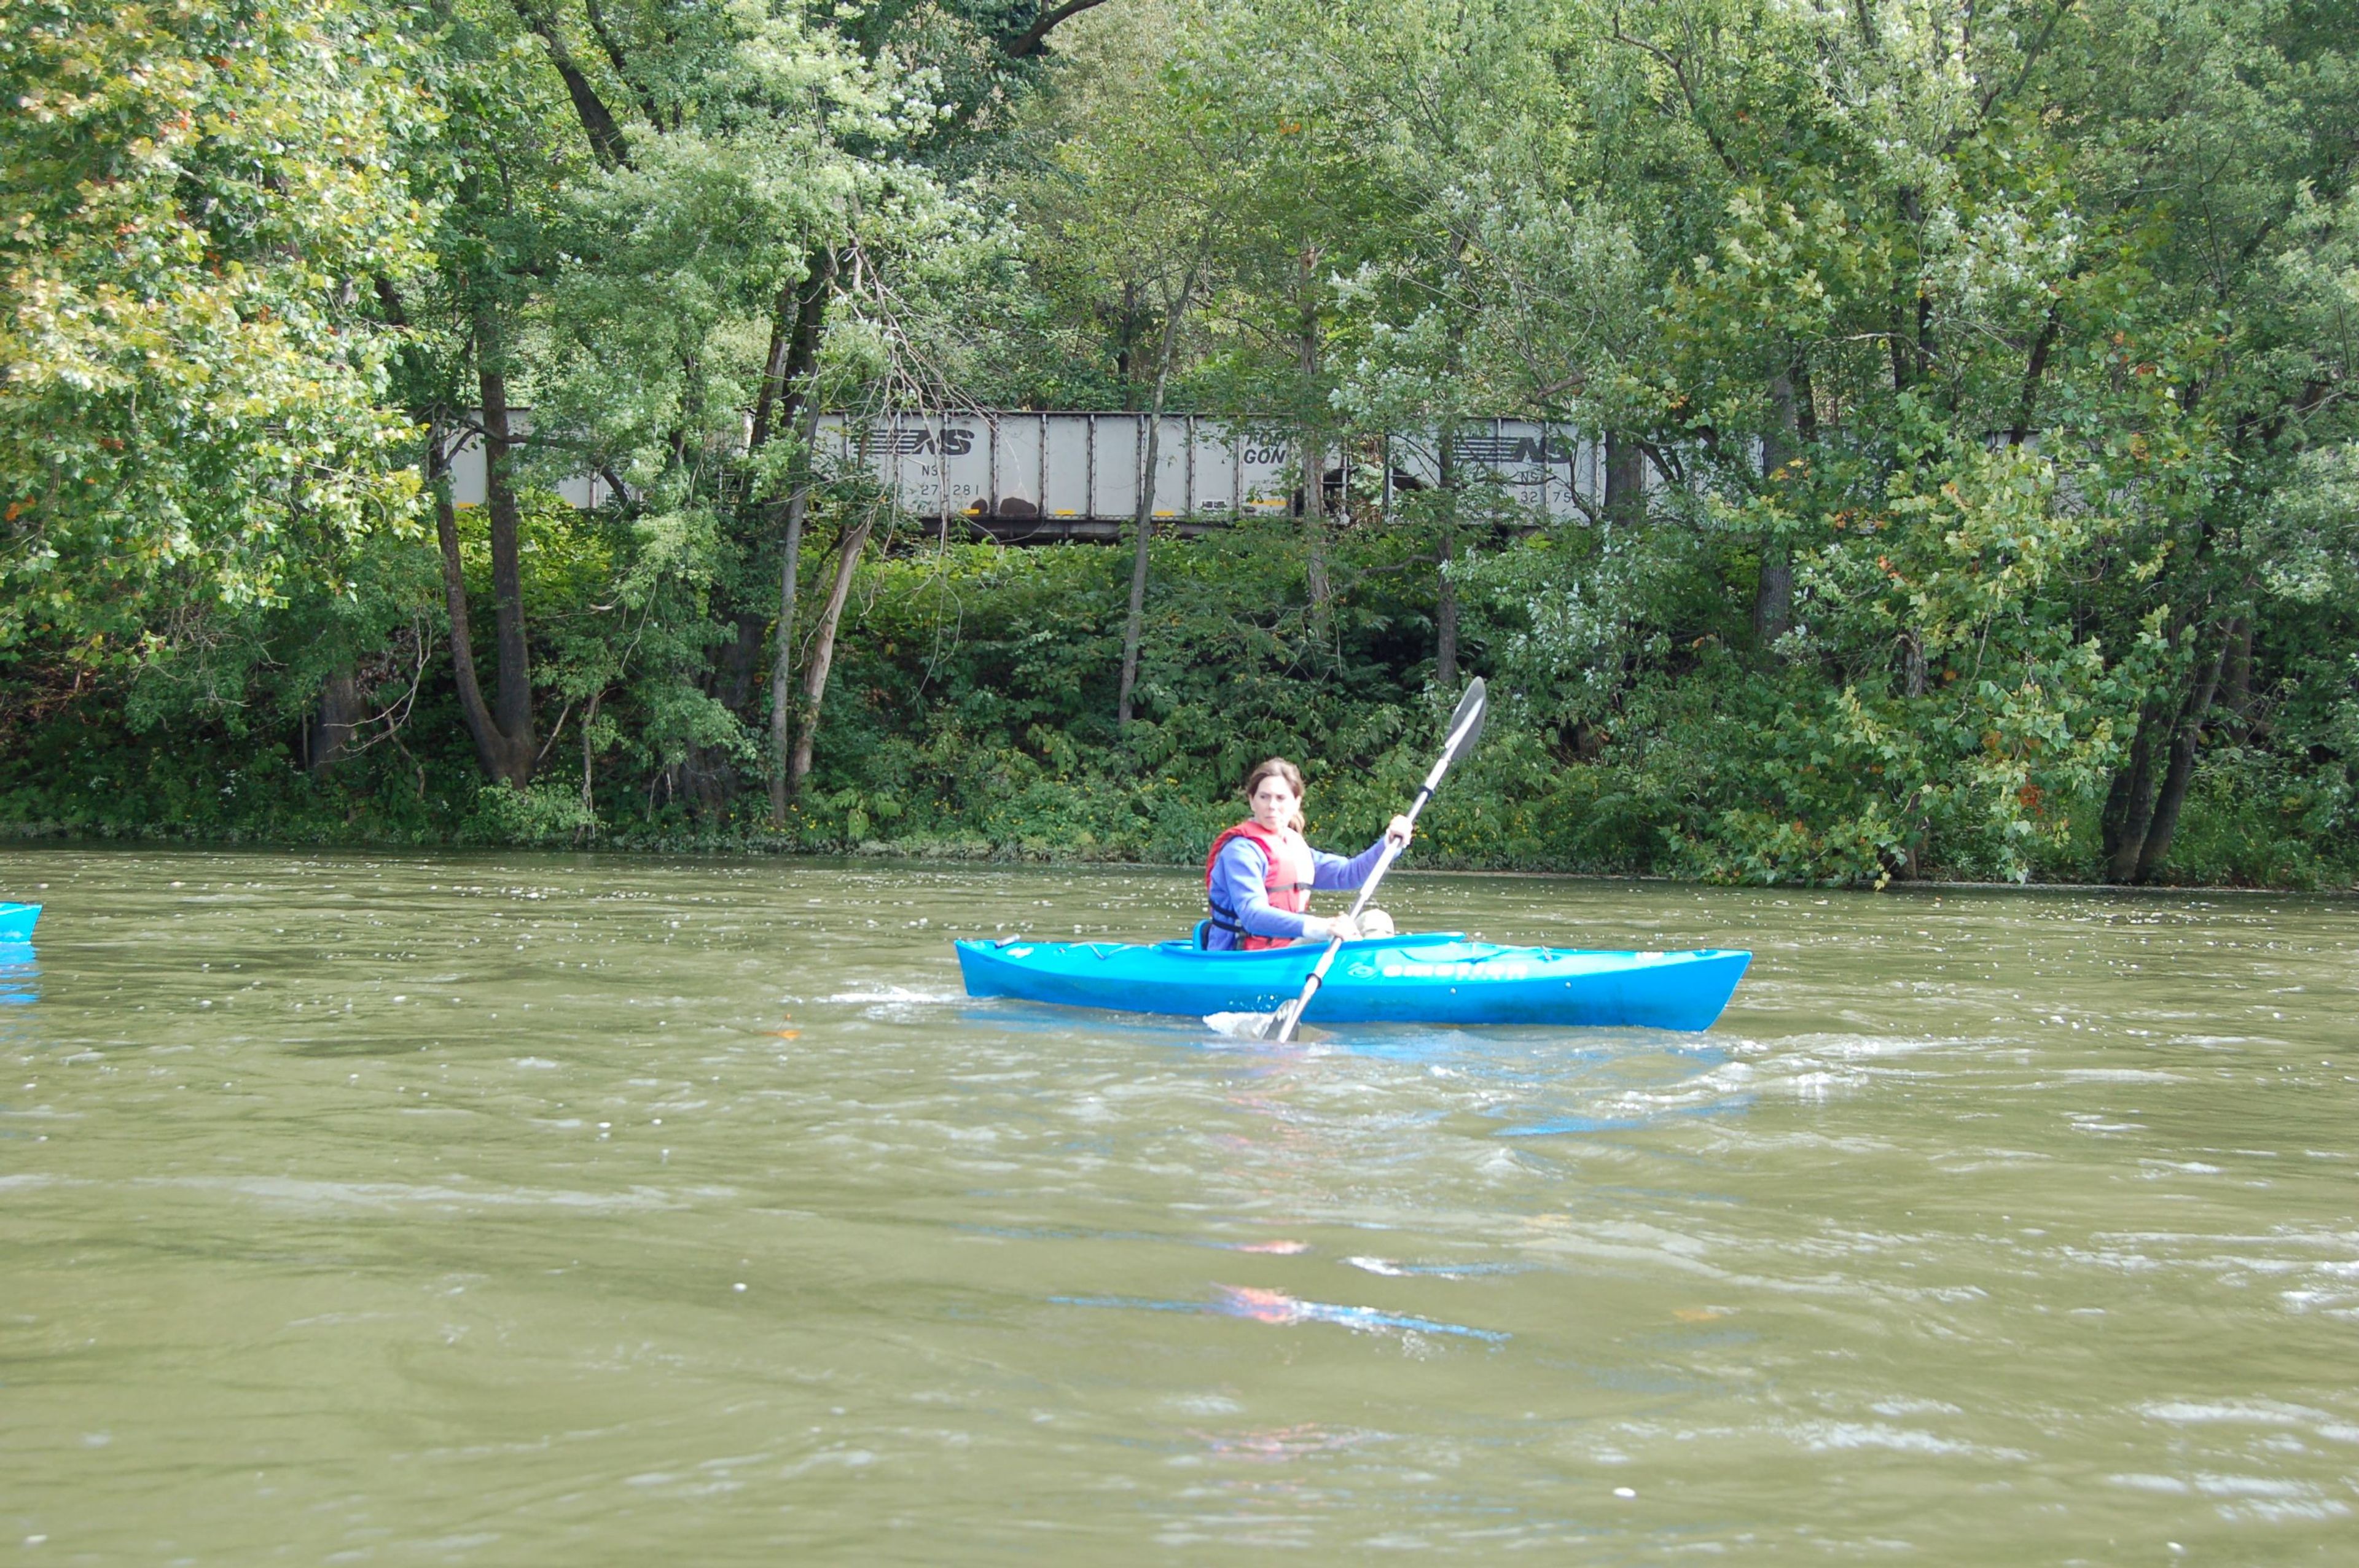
[1249,1025]
[1254,1025]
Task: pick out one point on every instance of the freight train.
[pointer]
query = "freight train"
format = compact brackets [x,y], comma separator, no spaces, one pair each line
[1025,477]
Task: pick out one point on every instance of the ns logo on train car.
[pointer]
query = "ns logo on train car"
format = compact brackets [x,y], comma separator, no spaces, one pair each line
[1505,449]
[950,442]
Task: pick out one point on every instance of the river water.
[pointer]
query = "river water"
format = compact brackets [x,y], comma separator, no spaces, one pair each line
[561,1209]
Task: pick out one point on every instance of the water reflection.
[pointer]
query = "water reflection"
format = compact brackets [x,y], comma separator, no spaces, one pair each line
[20,974]
[1257,1304]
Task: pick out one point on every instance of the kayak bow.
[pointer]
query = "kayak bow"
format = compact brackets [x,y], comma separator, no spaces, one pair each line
[1433,977]
[17,921]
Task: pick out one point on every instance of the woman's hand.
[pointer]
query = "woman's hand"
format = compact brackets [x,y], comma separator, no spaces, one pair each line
[1332,927]
[1398,830]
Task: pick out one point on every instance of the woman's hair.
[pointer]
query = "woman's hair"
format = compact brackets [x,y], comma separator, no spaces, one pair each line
[1278,768]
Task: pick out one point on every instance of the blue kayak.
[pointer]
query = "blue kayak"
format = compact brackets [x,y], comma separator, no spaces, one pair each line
[1436,978]
[17,921]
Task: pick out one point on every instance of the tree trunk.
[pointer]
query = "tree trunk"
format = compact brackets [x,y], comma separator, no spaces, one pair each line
[492,748]
[1142,531]
[1314,459]
[1773,600]
[782,662]
[1626,481]
[1445,591]
[1126,343]
[789,398]
[2028,401]
[1773,597]
[823,653]
[512,697]
[1142,523]
[2129,803]
[796,324]
[1315,582]
[2128,818]
[1920,352]
[340,714]
[798,317]
[2236,692]
[589,755]
[738,657]
[2186,739]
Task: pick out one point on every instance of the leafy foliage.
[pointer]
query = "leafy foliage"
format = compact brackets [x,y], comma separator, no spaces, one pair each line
[1980,468]
[194,202]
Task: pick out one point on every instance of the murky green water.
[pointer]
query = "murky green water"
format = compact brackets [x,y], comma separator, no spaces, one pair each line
[547,1210]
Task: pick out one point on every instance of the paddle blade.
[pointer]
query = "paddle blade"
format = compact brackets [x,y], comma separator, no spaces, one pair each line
[1466,723]
[1258,1025]
[1254,1025]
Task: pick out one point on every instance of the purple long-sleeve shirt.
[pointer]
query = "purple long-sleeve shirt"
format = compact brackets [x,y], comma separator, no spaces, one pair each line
[1241,882]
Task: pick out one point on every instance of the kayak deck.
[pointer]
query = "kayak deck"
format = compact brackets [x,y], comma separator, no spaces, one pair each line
[1427,977]
[17,921]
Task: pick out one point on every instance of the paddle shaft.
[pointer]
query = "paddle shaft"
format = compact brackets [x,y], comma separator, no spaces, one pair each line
[1287,1017]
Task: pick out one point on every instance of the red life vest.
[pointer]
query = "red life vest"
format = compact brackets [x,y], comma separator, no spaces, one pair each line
[1287,879]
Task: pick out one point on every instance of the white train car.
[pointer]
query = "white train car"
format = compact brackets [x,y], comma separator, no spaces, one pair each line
[1057,470]
[466,458]
[1070,472]
[1040,476]
[1543,469]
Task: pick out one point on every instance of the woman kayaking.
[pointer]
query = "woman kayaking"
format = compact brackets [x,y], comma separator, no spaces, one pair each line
[1260,875]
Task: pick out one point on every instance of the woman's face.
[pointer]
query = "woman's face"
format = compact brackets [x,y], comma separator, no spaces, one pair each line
[1274,801]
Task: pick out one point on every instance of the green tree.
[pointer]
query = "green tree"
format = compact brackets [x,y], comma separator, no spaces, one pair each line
[1142,188]
[194,205]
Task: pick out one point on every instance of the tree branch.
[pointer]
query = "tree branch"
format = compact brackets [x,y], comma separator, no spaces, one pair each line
[1687,91]
[2032,373]
[1028,43]
[598,121]
[2023,73]
[606,42]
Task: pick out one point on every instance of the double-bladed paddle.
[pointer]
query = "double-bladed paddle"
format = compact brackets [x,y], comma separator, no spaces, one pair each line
[1464,726]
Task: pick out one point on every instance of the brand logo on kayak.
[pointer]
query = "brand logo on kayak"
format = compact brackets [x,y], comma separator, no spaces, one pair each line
[1480,971]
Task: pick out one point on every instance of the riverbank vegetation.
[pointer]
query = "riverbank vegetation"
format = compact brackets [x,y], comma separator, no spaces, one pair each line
[1980,490]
